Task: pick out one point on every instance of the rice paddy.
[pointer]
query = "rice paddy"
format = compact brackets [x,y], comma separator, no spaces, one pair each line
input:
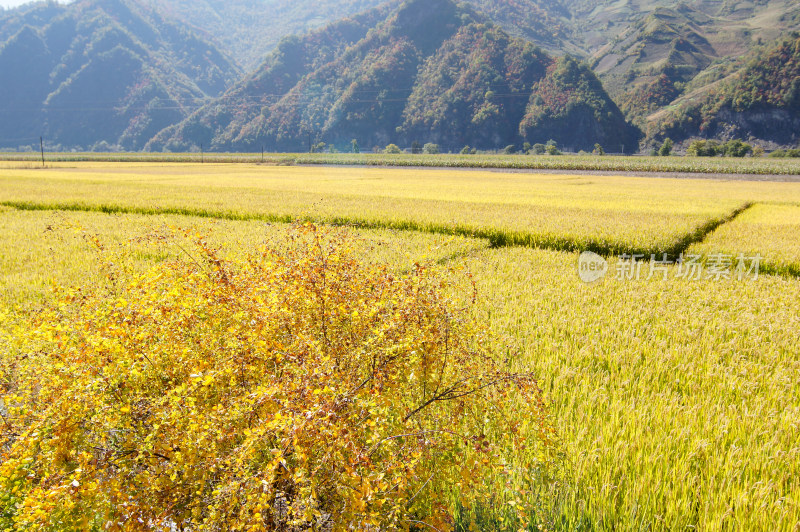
[677,401]
[41,251]
[768,231]
[554,211]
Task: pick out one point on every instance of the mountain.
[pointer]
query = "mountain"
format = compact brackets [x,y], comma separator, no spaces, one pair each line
[649,53]
[36,15]
[657,55]
[250,29]
[430,70]
[168,73]
[760,99]
[94,72]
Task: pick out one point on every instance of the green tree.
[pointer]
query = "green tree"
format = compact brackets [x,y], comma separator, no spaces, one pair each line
[552,149]
[416,147]
[465,150]
[510,149]
[696,148]
[785,153]
[704,148]
[539,149]
[737,148]
[666,148]
[354,146]
[392,149]
[598,150]
[431,148]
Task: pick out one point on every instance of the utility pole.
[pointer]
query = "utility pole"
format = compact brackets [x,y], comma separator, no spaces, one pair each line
[202,154]
[41,147]
[262,154]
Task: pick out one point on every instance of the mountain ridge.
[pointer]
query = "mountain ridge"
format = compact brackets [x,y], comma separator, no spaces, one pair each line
[380,89]
[761,100]
[144,74]
[103,72]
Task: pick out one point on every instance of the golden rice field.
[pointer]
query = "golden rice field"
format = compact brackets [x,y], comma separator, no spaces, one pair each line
[566,212]
[767,230]
[676,401]
[43,250]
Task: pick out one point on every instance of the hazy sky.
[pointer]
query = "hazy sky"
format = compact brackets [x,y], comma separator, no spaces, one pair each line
[15,3]
[12,3]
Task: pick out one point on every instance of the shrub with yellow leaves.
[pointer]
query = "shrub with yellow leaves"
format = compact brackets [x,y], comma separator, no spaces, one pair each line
[302,389]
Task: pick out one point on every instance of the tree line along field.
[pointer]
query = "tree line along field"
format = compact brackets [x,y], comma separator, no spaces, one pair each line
[705,165]
[675,401]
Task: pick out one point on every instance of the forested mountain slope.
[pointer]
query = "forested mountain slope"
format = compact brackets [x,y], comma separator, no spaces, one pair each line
[101,71]
[761,99]
[647,53]
[428,71]
[135,73]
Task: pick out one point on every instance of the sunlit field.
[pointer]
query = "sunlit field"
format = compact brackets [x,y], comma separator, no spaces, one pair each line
[566,212]
[769,231]
[43,250]
[676,400]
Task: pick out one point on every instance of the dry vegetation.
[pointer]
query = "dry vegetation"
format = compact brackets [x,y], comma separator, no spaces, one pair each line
[298,388]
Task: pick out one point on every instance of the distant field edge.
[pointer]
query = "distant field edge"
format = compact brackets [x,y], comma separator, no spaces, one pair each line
[666,165]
